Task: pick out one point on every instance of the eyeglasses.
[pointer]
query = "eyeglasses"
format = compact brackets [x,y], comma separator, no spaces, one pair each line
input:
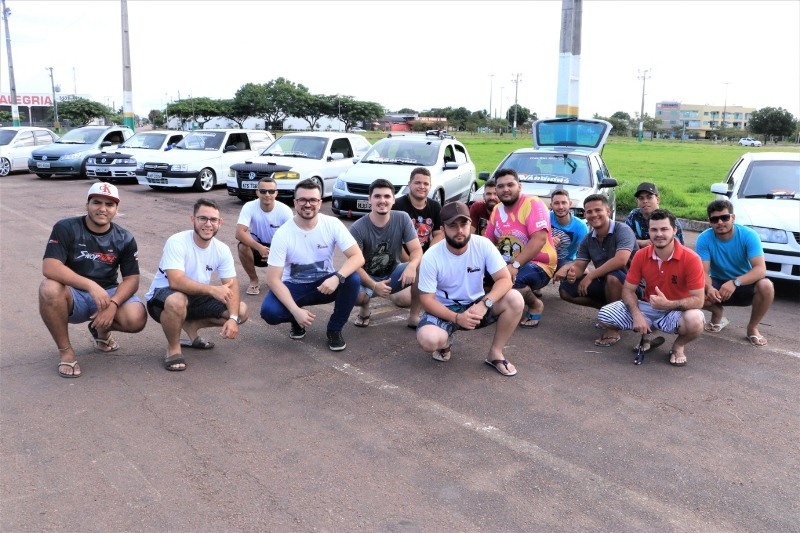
[268,191]
[307,201]
[203,220]
[716,219]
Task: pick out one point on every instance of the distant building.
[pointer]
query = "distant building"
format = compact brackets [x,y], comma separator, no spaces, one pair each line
[35,107]
[700,121]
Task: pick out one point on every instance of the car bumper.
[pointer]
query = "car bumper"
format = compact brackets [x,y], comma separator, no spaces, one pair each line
[350,205]
[72,168]
[782,264]
[285,191]
[167,179]
[110,172]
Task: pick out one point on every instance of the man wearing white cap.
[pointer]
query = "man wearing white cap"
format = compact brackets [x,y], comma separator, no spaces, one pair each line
[82,262]
[452,291]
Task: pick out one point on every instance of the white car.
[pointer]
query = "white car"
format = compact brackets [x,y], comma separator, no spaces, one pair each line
[201,159]
[764,189]
[321,156]
[393,158]
[120,164]
[749,141]
[17,143]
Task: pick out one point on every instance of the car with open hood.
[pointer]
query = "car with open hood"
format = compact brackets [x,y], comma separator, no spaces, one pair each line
[764,189]
[67,155]
[566,154]
[120,164]
[17,143]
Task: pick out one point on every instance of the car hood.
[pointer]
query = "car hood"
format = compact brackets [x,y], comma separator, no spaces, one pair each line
[369,172]
[297,164]
[769,213]
[177,155]
[56,149]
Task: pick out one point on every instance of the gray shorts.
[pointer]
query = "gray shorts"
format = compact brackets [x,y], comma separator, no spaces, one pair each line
[451,327]
[83,306]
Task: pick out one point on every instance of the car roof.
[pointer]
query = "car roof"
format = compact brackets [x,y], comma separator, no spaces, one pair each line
[772,156]
[323,134]
[571,133]
[23,128]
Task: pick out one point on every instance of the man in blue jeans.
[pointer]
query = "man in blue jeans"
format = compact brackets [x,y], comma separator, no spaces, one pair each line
[300,269]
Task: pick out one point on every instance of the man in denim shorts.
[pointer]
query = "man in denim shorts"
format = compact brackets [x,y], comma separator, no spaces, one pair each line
[82,262]
[452,291]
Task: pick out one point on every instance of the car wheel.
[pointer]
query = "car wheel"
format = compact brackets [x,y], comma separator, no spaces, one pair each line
[440,195]
[472,190]
[318,181]
[205,180]
[82,172]
[44,176]
[5,166]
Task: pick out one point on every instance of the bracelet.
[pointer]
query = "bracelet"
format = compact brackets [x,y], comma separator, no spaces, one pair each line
[115,303]
[456,319]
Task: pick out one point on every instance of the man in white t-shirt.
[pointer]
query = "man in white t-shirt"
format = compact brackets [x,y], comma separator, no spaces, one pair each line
[452,291]
[300,269]
[258,221]
[182,296]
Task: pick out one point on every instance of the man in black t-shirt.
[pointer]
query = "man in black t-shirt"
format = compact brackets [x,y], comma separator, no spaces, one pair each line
[82,262]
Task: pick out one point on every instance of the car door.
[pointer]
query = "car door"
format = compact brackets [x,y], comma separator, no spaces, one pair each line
[333,168]
[243,151]
[21,149]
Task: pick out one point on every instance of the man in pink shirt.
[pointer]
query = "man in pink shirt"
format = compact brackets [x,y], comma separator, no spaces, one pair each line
[520,228]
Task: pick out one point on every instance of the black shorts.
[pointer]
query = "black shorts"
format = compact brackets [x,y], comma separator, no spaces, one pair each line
[257,259]
[741,297]
[199,306]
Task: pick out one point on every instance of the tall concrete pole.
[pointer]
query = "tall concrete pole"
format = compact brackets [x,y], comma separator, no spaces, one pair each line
[569,59]
[11,82]
[491,86]
[515,81]
[127,90]
[644,75]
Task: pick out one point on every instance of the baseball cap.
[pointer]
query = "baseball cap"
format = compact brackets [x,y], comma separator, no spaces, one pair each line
[103,189]
[646,187]
[454,210]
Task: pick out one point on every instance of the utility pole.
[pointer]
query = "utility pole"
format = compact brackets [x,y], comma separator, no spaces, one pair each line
[515,81]
[725,107]
[56,125]
[643,75]
[11,82]
[491,86]
[127,84]
[501,102]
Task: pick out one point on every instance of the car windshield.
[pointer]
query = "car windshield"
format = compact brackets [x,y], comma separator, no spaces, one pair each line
[571,132]
[771,179]
[202,140]
[81,136]
[6,136]
[556,169]
[400,152]
[297,146]
[150,141]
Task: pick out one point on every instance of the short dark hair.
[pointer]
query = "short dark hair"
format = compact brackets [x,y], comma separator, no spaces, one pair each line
[560,192]
[308,183]
[661,214]
[596,198]
[491,182]
[719,205]
[204,202]
[419,170]
[268,179]
[501,172]
[381,183]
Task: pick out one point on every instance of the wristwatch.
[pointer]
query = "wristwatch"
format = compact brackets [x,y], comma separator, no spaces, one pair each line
[737,282]
[235,318]
[515,264]
[341,278]
[488,303]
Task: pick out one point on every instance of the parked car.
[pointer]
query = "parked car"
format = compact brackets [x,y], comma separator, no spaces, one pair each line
[749,141]
[295,157]
[201,159]
[120,164]
[68,154]
[394,157]
[566,154]
[357,130]
[764,189]
[17,143]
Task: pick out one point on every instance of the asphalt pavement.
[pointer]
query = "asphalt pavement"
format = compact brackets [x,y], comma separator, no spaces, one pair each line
[272,434]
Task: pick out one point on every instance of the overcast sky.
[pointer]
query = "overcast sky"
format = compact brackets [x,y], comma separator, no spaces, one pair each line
[417,54]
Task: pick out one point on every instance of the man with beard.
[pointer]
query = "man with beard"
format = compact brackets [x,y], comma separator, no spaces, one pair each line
[648,200]
[481,210]
[522,224]
[568,230]
[452,292]
[82,261]
[380,236]
[674,290]
[733,259]
[300,269]
[182,296]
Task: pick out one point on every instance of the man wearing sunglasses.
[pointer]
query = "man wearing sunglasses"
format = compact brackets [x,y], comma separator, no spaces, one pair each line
[300,269]
[258,221]
[733,259]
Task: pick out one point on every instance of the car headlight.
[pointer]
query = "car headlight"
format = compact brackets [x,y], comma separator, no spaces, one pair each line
[70,157]
[340,185]
[777,236]
[231,173]
[129,161]
[90,160]
[286,175]
[182,167]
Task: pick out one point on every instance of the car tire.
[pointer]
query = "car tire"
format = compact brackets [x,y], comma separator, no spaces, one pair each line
[82,172]
[5,166]
[319,183]
[205,180]
[44,176]
[440,197]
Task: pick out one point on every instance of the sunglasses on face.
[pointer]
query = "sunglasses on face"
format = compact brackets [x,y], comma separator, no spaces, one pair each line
[268,191]
[716,219]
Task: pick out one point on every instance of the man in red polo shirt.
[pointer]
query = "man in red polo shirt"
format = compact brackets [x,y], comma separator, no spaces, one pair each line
[674,290]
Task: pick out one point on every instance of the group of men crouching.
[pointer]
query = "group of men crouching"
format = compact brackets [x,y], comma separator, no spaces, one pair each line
[454,267]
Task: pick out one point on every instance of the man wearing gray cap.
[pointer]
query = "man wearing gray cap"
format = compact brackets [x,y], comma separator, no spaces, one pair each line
[638,220]
[452,292]
[82,262]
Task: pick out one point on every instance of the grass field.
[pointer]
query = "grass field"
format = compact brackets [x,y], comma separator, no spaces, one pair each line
[683,171]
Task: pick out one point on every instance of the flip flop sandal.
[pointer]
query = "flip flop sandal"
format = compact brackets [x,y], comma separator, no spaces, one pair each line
[443,355]
[606,342]
[175,359]
[103,345]
[362,321]
[496,365]
[253,290]
[757,341]
[651,344]
[527,315]
[199,343]
[675,363]
[72,366]
[716,328]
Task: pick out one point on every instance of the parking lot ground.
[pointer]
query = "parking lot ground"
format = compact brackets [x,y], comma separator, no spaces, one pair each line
[268,433]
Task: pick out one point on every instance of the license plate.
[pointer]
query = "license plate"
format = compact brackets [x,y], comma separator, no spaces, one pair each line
[363,205]
[154,174]
[103,169]
[249,185]
[42,165]
[157,180]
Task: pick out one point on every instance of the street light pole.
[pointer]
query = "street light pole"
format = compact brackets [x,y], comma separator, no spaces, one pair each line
[515,81]
[501,102]
[56,125]
[11,82]
[643,76]
[491,86]
[725,107]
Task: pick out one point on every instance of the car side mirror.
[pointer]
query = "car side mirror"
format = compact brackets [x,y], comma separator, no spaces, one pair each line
[721,189]
[483,176]
[105,143]
[451,165]
[230,148]
[336,156]
[607,182]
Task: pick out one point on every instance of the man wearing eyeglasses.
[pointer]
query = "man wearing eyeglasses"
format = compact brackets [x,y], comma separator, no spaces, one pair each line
[733,259]
[300,269]
[258,221]
[182,297]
